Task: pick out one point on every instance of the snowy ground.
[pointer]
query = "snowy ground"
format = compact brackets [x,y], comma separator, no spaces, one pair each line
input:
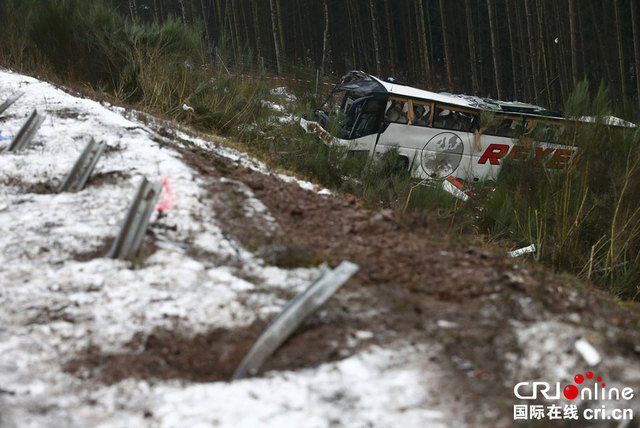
[58,296]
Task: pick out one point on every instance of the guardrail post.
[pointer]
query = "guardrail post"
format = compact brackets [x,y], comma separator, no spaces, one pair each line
[81,170]
[26,133]
[133,229]
[9,101]
[296,311]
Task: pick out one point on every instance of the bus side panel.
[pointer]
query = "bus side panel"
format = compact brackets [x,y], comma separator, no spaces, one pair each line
[485,164]
[434,153]
[475,166]
[439,153]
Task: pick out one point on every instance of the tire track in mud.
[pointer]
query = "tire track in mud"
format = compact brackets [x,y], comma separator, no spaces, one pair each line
[418,281]
[409,279]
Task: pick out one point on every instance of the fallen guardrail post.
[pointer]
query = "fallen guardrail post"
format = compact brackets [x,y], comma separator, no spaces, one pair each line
[296,311]
[26,133]
[81,170]
[10,100]
[132,233]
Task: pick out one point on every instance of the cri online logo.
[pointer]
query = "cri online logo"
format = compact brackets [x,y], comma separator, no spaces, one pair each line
[571,392]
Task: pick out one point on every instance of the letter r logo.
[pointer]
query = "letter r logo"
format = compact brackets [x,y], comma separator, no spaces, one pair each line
[494,153]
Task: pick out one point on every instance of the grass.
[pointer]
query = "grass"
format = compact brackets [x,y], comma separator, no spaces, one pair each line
[164,68]
[585,218]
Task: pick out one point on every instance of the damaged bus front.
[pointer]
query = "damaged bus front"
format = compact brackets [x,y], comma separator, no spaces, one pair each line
[352,113]
[437,135]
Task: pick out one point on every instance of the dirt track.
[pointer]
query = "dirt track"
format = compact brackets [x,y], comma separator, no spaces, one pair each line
[416,281]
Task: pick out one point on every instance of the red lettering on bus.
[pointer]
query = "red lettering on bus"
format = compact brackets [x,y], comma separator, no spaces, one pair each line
[518,153]
[493,154]
[542,153]
[560,159]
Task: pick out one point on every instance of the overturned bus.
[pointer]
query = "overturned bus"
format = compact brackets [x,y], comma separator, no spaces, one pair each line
[437,135]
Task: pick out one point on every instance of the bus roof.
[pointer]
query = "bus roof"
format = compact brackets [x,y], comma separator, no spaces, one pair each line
[410,92]
[468,101]
[366,83]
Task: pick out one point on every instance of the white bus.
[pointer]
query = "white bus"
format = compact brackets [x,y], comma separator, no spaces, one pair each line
[437,135]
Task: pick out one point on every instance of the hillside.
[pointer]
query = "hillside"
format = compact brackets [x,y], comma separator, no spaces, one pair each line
[431,332]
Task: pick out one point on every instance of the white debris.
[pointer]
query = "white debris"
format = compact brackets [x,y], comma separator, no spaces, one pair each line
[453,190]
[446,324]
[517,253]
[588,352]
[364,335]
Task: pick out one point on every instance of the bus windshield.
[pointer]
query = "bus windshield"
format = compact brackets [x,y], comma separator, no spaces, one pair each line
[350,115]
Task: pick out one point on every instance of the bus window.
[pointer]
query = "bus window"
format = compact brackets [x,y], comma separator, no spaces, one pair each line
[421,114]
[450,119]
[546,132]
[410,112]
[366,114]
[396,112]
[442,118]
[463,121]
[505,127]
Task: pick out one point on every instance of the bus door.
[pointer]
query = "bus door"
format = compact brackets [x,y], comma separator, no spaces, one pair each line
[364,117]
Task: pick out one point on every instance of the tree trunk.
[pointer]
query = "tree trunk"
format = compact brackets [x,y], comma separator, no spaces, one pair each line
[525,68]
[221,20]
[424,55]
[559,44]
[392,57]
[280,30]
[302,35]
[227,28]
[352,56]
[192,11]
[532,50]
[602,45]
[374,33]
[236,28]
[445,41]
[156,12]
[512,47]
[205,21]
[543,53]
[256,30]
[583,52]
[636,43]
[472,47]
[574,42]
[274,27]
[325,36]
[245,24]
[430,44]
[494,48]
[183,11]
[616,8]
[361,48]
[133,9]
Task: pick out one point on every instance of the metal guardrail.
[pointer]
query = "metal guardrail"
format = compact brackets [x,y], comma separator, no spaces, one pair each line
[81,170]
[26,133]
[296,311]
[127,244]
[10,100]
